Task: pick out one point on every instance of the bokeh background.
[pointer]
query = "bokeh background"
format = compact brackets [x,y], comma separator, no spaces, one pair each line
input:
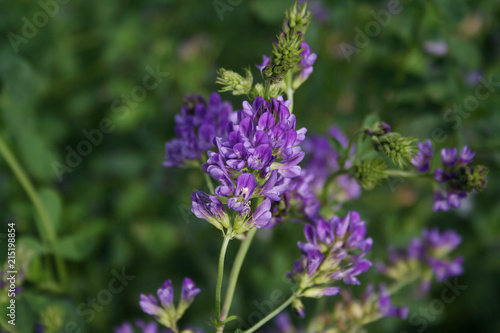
[118,208]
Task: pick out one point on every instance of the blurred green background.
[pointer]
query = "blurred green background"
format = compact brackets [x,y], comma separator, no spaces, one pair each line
[82,67]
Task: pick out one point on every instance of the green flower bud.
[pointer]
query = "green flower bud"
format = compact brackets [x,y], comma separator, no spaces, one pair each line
[473,178]
[298,307]
[398,148]
[369,173]
[287,49]
[259,90]
[234,82]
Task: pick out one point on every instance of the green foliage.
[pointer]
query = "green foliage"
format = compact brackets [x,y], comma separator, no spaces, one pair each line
[119,208]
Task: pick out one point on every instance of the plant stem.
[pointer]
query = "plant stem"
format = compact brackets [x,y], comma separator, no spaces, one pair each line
[272,314]
[235,271]
[289,90]
[348,150]
[407,174]
[328,181]
[218,290]
[45,229]
[209,183]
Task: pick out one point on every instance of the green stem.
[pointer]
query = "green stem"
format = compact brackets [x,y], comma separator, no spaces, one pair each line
[272,314]
[218,290]
[348,150]
[392,290]
[44,227]
[406,174]
[328,181]
[403,283]
[289,89]
[208,180]
[235,271]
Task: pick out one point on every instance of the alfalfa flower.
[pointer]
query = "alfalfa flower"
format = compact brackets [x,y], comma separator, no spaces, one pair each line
[427,256]
[252,162]
[458,178]
[162,307]
[195,128]
[328,255]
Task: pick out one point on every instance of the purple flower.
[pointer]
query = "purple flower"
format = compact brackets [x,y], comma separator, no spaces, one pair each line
[265,63]
[307,61]
[149,305]
[349,311]
[166,294]
[474,77]
[210,208]
[262,215]
[385,306]
[256,158]
[314,258]
[466,156]
[196,126]
[432,251]
[245,185]
[322,160]
[189,291]
[440,202]
[423,158]
[327,254]
[457,178]
[124,328]
[449,156]
[165,312]
[437,48]
[284,323]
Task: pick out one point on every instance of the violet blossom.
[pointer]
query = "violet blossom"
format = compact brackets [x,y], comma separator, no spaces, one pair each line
[254,160]
[427,256]
[195,128]
[327,256]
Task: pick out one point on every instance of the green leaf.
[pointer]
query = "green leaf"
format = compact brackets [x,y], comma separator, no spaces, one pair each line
[52,203]
[80,244]
[370,120]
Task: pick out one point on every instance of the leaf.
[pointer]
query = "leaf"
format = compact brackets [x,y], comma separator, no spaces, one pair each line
[370,120]
[52,203]
[79,245]
[31,245]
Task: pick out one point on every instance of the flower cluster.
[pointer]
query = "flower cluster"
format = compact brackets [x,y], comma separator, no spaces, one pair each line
[305,192]
[253,161]
[164,311]
[457,176]
[288,48]
[425,257]
[372,305]
[334,250]
[195,127]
